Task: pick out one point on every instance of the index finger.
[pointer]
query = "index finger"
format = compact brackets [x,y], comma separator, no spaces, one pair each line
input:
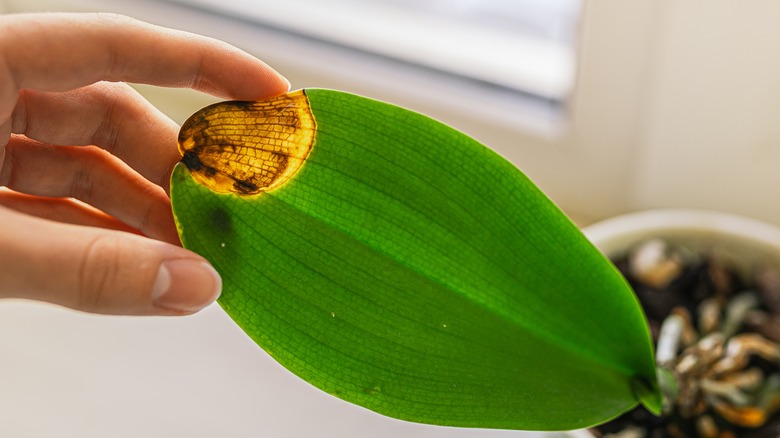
[57,52]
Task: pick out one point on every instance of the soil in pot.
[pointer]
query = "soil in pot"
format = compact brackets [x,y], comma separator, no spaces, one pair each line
[719,334]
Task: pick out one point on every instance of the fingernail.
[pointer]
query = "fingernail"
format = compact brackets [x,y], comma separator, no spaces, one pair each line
[186,285]
[287,81]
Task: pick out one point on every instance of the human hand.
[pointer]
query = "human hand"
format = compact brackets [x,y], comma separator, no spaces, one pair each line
[65,134]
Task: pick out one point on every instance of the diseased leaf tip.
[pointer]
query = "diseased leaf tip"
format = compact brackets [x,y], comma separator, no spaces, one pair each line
[248,147]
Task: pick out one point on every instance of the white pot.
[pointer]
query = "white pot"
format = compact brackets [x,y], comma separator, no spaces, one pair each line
[743,242]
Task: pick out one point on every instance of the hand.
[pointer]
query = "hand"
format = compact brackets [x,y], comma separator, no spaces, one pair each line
[64,134]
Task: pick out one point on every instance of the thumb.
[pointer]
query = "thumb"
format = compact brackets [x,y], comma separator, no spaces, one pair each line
[100,271]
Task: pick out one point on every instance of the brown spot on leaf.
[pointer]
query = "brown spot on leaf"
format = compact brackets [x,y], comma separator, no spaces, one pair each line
[248,147]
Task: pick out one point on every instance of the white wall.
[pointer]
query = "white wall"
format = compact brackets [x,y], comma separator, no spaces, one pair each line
[710,137]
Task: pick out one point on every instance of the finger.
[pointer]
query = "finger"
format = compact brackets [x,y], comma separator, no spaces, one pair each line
[112,116]
[65,210]
[100,271]
[59,52]
[93,176]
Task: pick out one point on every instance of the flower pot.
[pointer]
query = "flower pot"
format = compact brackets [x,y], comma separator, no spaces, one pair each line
[741,242]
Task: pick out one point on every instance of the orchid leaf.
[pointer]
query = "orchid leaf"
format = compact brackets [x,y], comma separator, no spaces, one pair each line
[398,264]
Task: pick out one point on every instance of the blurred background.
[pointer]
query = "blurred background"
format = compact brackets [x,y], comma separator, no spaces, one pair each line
[610,106]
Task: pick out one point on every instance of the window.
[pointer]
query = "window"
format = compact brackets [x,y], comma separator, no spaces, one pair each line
[523,46]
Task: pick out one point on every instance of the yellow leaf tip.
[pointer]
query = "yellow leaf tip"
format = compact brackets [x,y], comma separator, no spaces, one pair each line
[248,147]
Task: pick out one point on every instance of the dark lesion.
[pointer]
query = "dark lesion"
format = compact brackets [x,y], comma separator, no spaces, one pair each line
[193,162]
[220,220]
[245,187]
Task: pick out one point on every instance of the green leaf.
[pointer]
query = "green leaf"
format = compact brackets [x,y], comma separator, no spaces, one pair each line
[404,267]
